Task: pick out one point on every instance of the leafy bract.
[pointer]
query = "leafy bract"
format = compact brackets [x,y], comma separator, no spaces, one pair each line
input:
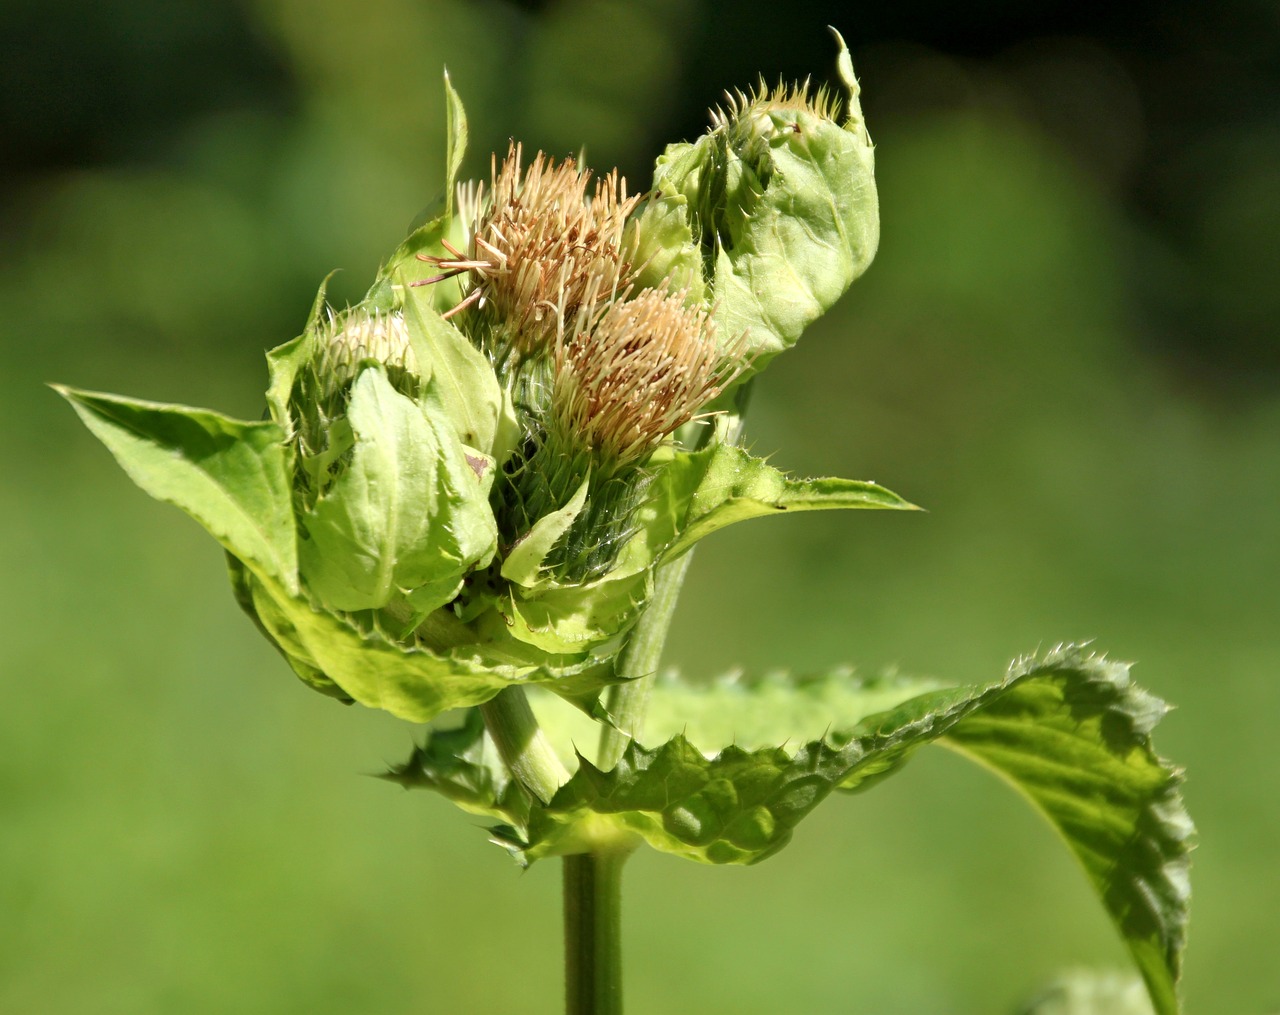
[456,136]
[692,495]
[411,682]
[524,561]
[783,202]
[664,248]
[440,222]
[463,765]
[467,387]
[576,619]
[233,478]
[230,476]
[1070,732]
[407,511]
[697,492]
[285,361]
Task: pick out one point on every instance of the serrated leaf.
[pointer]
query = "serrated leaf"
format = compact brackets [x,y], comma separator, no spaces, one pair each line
[695,493]
[1080,751]
[776,708]
[463,765]
[1071,732]
[230,476]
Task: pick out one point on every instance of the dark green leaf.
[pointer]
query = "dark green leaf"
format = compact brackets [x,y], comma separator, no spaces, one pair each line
[1071,732]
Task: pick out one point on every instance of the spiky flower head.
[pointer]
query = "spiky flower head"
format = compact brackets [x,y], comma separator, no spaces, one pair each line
[540,244]
[361,338]
[751,110]
[632,371]
[345,345]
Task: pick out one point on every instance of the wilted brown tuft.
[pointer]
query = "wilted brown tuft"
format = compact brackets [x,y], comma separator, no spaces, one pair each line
[540,246]
[631,371]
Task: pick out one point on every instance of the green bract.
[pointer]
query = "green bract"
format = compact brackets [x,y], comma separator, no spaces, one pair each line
[778,202]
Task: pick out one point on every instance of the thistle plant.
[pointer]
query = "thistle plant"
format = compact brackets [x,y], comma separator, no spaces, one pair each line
[475,494]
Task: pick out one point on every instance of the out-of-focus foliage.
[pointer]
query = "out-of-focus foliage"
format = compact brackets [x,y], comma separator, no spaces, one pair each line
[1064,351]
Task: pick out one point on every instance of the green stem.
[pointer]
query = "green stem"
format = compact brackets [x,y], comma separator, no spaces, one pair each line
[593,932]
[511,724]
[638,662]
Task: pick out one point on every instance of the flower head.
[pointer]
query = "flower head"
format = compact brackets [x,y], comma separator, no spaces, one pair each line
[631,371]
[361,338]
[540,244]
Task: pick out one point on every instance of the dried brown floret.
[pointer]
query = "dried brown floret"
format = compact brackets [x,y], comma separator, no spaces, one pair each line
[539,246]
[632,371]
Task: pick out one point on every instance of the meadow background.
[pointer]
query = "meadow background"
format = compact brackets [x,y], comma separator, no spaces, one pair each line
[1066,351]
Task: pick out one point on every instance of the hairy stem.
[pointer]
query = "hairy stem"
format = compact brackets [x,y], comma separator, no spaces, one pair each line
[638,663]
[511,724]
[593,932]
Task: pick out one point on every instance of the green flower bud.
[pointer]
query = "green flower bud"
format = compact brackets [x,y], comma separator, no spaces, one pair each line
[779,198]
[626,375]
[392,508]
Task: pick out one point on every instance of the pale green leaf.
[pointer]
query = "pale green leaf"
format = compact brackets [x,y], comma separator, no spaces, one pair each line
[230,476]
[696,493]
[285,361]
[575,619]
[410,682]
[661,242]
[274,625]
[777,708]
[455,141]
[406,512]
[466,384]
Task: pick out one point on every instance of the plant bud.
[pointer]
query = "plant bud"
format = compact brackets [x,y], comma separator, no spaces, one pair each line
[779,198]
[539,245]
[392,508]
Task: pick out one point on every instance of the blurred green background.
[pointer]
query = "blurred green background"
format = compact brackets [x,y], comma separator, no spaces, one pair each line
[1065,351]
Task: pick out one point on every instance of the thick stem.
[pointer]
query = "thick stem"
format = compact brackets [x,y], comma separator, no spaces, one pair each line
[593,932]
[511,724]
[639,664]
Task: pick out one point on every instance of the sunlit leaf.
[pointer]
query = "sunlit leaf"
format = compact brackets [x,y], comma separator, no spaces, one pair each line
[408,510]
[230,476]
[1071,732]
[696,493]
